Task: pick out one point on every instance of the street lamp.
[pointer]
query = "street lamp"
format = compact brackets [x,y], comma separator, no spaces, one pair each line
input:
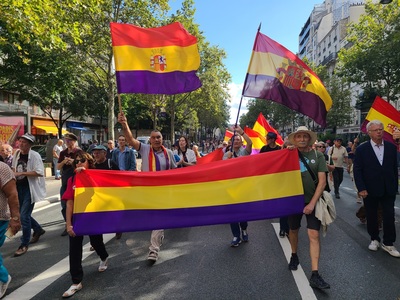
[385,1]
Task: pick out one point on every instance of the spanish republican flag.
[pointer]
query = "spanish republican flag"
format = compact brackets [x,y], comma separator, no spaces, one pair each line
[385,112]
[257,139]
[262,126]
[278,75]
[228,135]
[159,60]
[246,188]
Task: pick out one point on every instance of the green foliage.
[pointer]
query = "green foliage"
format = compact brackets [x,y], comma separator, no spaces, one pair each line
[374,58]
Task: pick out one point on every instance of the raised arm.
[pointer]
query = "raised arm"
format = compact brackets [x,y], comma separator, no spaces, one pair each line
[128,134]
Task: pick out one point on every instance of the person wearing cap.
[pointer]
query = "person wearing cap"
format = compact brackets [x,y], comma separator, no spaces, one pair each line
[272,146]
[339,155]
[376,178]
[237,150]
[101,162]
[155,157]
[303,139]
[65,160]
[271,143]
[29,171]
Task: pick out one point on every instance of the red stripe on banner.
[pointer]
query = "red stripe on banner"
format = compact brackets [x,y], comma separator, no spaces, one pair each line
[170,35]
[252,165]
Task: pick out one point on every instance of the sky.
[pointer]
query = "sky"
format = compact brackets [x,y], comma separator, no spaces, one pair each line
[232,25]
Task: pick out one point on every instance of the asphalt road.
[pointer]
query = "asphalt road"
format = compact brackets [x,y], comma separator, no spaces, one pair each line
[198,263]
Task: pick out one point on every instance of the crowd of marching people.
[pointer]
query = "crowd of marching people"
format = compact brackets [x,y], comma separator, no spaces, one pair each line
[371,165]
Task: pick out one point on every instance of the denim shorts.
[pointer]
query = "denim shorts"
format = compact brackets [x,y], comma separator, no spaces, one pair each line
[312,221]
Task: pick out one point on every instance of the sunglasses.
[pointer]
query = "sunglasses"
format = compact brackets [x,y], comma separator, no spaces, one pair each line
[82,161]
[320,146]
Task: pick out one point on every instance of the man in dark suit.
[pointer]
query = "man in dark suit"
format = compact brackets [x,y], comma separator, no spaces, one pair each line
[375,175]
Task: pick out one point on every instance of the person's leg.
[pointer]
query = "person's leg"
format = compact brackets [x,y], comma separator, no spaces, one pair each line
[371,209]
[294,222]
[389,229]
[34,224]
[313,236]
[63,203]
[336,181]
[3,270]
[340,176]
[25,208]
[156,239]
[56,171]
[235,228]
[284,226]
[75,259]
[97,242]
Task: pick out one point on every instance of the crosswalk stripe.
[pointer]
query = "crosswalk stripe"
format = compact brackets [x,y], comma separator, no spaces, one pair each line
[43,280]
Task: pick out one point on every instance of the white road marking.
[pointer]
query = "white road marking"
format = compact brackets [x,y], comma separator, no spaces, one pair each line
[300,277]
[43,280]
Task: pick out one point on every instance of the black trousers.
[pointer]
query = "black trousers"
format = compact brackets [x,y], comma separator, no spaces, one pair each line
[75,254]
[337,178]
[371,206]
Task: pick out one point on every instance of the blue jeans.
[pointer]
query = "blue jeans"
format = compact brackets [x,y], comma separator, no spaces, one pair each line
[56,171]
[237,227]
[3,270]
[25,210]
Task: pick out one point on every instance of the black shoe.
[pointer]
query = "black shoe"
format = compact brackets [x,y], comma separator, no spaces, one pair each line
[282,233]
[36,236]
[316,281]
[64,233]
[294,262]
[337,196]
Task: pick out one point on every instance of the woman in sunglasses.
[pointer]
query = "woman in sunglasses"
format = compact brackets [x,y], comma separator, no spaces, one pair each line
[82,162]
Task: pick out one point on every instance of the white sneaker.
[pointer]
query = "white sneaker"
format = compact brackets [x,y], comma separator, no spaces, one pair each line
[103,265]
[374,245]
[4,286]
[391,250]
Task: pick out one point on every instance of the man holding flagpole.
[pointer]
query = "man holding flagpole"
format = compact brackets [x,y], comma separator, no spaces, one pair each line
[155,157]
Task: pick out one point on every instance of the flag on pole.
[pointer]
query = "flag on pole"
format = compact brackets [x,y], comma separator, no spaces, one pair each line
[228,135]
[262,126]
[215,155]
[161,60]
[257,139]
[278,75]
[385,112]
[122,201]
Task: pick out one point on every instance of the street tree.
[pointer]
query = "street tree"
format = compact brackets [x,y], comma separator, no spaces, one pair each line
[373,58]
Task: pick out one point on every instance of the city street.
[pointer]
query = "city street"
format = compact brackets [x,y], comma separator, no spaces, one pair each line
[198,263]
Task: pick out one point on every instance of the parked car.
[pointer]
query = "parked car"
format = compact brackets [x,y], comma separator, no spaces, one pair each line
[41,149]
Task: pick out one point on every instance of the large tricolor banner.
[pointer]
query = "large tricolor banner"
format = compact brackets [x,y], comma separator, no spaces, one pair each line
[278,75]
[161,60]
[248,188]
[386,113]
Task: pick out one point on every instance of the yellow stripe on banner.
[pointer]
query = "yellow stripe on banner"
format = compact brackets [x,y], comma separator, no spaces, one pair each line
[376,115]
[269,64]
[130,58]
[223,192]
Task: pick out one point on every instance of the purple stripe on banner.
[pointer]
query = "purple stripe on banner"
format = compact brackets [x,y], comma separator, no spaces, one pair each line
[269,87]
[147,82]
[140,220]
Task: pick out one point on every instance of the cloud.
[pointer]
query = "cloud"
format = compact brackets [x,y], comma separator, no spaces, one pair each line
[235,92]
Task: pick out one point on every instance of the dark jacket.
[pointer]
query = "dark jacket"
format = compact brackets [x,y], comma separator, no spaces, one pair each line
[370,175]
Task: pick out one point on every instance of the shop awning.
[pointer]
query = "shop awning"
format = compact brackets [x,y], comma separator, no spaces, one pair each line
[51,129]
